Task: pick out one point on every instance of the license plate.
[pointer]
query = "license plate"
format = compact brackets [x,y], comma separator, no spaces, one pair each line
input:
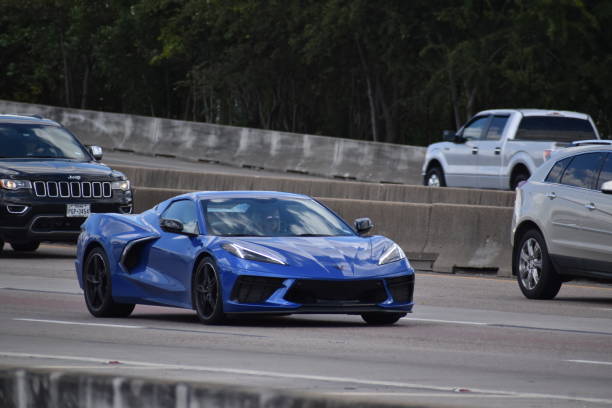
[78,210]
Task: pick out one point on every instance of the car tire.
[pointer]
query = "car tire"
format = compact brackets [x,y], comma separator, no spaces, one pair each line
[533,268]
[206,292]
[379,319]
[97,287]
[517,179]
[434,177]
[29,246]
[1,246]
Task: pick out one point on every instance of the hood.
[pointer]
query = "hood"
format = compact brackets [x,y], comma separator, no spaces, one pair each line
[326,257]
[29,167]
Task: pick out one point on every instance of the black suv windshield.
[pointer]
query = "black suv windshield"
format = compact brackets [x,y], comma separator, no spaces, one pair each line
[21,140]
[271,217]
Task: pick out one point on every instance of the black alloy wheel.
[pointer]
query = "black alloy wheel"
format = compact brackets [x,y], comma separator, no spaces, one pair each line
[380,319]
[29,246]
[434,177]
[1,246]
[206,292]
[533,269]
[97,287]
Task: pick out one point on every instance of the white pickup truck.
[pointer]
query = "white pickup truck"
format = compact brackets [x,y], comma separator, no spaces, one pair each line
[500,148]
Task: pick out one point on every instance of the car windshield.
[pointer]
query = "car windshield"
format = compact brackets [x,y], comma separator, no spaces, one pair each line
[21,140]
[271,217]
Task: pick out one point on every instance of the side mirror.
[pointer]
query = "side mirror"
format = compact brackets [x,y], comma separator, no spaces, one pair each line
[459,139]
[96,152]
[606,187]
[170,225]
[363,225]
[448,135]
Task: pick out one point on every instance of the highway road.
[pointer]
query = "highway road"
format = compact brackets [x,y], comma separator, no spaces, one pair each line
[471,341]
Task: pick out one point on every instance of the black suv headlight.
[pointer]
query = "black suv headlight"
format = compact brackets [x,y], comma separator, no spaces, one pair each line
[9,184]
[123,185]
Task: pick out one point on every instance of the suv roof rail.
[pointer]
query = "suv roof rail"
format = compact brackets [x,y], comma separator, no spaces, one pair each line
[591,142]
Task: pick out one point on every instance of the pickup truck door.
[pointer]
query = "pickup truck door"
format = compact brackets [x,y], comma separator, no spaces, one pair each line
[461,158]
[489,153]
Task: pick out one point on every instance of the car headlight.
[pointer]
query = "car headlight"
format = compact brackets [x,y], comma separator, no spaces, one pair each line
[251,255]
[123,185]
[392,254]
[9,184]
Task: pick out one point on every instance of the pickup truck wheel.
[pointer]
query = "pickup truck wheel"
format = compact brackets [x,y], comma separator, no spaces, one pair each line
[517,178]
[533,269]
[435,178]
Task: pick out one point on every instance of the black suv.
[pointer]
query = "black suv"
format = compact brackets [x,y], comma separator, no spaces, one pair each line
[50,183]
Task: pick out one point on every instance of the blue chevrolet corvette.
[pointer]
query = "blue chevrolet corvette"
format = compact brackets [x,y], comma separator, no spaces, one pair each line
[232,252]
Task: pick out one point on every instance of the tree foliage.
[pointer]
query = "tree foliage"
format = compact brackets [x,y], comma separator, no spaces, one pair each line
[393,71]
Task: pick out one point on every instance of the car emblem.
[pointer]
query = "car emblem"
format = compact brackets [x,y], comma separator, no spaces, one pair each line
[74,177]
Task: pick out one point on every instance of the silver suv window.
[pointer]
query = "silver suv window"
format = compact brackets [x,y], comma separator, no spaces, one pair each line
[582,171]
[606,172]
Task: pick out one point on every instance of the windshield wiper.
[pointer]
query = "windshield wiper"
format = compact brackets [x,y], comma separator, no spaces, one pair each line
[314,235]
[239,235]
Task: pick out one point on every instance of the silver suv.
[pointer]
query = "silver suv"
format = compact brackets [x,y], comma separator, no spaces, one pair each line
[562,223]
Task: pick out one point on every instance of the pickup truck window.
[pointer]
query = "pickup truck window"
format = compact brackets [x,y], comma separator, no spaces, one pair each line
[582,170]
[496,128]
[474,129]
[555,129]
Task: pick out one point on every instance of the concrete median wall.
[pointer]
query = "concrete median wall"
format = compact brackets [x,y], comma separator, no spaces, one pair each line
[439,237]
[168,178]
[39,388]
[311,154]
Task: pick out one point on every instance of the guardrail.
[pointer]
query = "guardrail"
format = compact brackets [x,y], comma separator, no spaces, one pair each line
[266,149]
[46,388]
[168,178]
[438,237]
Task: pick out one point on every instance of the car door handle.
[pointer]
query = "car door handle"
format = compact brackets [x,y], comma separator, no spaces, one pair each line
[475,150]
[498,151]
[552,195]
[590,206]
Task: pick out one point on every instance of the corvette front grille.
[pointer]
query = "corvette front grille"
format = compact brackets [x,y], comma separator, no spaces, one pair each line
[323,292]
[73,189]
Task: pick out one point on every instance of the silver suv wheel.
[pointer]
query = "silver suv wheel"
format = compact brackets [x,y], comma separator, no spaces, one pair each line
[530,263]
[533,268]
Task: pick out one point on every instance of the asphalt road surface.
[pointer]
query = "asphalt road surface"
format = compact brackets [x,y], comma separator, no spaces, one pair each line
[471,341]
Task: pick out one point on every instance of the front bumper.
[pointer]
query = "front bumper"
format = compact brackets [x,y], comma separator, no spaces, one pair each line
[257,294]
[26,218]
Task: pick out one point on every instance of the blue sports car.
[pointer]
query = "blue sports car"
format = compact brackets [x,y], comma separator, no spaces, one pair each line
[232,252]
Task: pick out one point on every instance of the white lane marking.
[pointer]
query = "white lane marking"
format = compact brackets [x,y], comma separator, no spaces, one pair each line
[310,377]
[125,326]
[590,362]
[446,321]
[418,394]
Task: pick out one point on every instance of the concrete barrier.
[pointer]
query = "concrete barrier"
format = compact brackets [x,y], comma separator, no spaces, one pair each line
[43,388]
[168,178]
[319,155]
[445,238]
